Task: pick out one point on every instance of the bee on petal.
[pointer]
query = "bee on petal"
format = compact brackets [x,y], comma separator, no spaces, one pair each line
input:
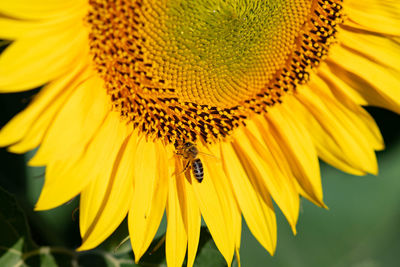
[190,153]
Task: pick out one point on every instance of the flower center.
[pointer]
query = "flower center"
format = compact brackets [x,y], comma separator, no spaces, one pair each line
[221,52]
[196,69]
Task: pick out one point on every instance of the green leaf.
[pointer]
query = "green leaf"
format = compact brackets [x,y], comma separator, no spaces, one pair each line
[14,231]
[101,258]
[16,245]
[50,256]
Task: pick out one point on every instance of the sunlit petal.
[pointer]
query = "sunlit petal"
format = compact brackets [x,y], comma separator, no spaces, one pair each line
[203,109]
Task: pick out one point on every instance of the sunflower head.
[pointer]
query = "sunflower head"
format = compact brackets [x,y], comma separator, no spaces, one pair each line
[195,70]
[145,98]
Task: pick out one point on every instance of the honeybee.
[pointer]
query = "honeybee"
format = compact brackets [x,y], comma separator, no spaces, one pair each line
[190,153]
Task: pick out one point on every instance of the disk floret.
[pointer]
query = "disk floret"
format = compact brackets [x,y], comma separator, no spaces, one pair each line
[172,81]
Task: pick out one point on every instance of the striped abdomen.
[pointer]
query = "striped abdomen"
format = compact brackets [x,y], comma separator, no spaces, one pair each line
[197,168]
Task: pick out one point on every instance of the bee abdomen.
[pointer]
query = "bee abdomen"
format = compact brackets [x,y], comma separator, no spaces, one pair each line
[197,168]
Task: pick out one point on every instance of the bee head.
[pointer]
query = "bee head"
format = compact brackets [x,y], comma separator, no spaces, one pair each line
[188,144]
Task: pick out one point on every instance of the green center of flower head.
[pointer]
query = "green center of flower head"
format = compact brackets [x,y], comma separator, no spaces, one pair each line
[196,69]
[229,49]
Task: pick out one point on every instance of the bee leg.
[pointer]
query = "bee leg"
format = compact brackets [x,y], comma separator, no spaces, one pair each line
[184,169]
[187,166]
[181,154]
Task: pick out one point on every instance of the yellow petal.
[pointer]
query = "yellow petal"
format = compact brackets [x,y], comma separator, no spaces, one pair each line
[41,58]
[380,49]
[233,212]
[297,144]
[117,199]
[343,127]
[222,183]
[378,85]
[362,121]
[374,15]
[97,163]
[61,183]
[176,237]
[339,87]
[34,136]
[192,222]
[67,178]
[41,9]
[265,169]
[327,148]
[11,29]
[46,102]
[76,123]
[150,196]
[258,213]
[215,207]
[190,211]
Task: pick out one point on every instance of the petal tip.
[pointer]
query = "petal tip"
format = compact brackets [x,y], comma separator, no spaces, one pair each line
[294,230]
[36,162]
[83,247]
[40,206]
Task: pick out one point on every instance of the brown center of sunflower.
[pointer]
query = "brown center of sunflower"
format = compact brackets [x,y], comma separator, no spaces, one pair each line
[196,69]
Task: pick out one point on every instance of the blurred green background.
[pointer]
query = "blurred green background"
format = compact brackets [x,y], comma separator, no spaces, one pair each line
[360,229]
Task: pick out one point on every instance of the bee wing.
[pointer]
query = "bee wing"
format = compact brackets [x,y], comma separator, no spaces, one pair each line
[209,155]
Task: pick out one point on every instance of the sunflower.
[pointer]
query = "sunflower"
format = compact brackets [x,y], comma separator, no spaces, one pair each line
[145,98]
